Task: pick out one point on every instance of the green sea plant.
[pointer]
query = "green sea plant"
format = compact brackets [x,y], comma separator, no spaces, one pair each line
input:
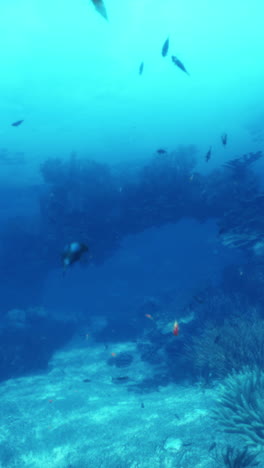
[240,407]
[232,345]
[238,458]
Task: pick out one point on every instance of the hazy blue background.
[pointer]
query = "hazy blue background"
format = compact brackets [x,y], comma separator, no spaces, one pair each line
[73,78]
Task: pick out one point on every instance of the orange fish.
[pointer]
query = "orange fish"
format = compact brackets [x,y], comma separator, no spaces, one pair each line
[149,316]
[175,329]
[113,354]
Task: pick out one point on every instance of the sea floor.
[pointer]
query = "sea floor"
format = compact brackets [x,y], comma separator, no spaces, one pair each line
[79,414]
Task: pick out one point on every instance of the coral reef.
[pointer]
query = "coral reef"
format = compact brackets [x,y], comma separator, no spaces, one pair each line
[99,205]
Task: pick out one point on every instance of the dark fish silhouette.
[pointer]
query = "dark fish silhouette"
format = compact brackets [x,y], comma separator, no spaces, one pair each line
[165,47]
[212,447]
[121,379]
[208,154]
[17,123]
[100,8]
[199,299]
[179,64]
[161,151]
[141,68]
[224,138]
[222,230]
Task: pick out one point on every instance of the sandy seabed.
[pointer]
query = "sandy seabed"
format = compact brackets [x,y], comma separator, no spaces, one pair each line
[79,414]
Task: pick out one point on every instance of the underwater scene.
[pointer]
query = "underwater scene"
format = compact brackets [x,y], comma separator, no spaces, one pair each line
[131,234]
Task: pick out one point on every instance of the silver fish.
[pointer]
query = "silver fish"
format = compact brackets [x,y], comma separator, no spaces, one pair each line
[165,47]
[100,8]
[179,64]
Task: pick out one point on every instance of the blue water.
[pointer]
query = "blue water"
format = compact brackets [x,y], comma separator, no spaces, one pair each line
[130,199]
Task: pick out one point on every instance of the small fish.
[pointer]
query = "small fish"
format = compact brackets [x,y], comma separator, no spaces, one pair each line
[198,299]
[17,123]
[141,68]
[176,328]
[161,151]
[208,154]
[224,139]
[142,405]
[222,230]
[217,339]
[86,380]
[121,379]
[100,8]
[212,447]
[72,253]
[149,316]
[179,64]
[113,354]
[165,47]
